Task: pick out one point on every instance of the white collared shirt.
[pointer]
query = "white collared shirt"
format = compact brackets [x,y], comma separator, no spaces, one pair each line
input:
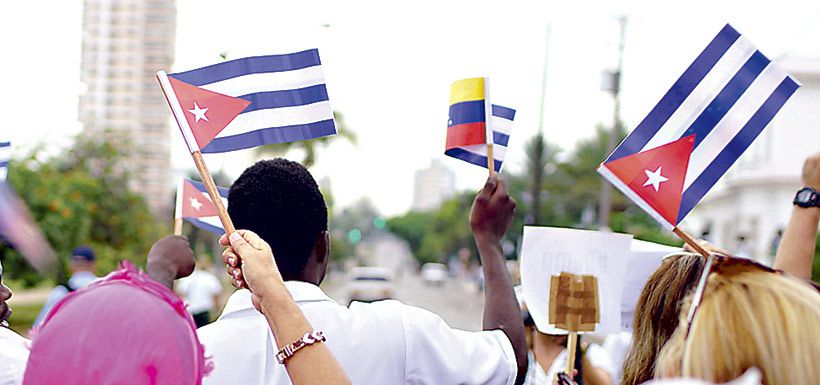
[14,351]
[382,343]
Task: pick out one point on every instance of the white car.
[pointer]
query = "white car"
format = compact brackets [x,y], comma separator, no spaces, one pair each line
[368,284]
[434,273]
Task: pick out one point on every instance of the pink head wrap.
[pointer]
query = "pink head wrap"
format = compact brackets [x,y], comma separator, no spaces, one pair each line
[123,329]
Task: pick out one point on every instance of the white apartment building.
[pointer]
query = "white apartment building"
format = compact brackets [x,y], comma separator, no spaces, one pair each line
[433,185]
[754,199]
[124,43]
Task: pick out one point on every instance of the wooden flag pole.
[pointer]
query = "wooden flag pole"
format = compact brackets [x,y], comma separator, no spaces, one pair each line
[221,211]
[177,226]
[488,126]
[691,242]
[490,159]
[572,345]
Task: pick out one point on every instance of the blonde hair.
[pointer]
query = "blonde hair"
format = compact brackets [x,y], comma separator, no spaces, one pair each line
[749,318]
[657,312]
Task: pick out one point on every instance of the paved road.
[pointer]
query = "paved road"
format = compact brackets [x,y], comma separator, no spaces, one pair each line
[458,302]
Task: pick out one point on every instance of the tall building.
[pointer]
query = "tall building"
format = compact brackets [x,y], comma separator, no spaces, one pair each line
[433,185]
[124,43]
[749,207]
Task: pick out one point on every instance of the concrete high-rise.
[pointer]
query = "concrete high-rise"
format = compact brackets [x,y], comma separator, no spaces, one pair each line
[124,43]
[433,185]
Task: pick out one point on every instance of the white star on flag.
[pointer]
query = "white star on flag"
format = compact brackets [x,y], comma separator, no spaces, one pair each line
[654,178]
[199,113]
[196,204]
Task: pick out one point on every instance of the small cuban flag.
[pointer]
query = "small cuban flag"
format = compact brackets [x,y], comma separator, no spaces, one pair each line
[468,127]
[700,127]
[194,205]
[5,156]
[250,102]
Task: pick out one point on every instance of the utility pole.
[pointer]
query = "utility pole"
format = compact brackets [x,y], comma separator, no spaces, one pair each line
[612,83]
[539,143]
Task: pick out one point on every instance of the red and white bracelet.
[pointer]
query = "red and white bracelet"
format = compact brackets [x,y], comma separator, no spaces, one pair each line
[290,349]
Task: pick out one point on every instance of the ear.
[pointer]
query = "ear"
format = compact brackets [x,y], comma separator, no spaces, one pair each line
[321,247]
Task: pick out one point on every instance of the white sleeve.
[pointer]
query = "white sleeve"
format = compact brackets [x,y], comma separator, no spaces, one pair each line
[438,354]
[214,285]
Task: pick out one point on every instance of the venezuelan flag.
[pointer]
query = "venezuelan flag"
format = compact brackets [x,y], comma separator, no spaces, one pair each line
[467,125]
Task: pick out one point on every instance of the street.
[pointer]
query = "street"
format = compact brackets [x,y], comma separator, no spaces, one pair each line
[458,302]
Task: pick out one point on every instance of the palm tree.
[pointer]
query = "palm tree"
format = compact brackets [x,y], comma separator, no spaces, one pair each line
[310,146]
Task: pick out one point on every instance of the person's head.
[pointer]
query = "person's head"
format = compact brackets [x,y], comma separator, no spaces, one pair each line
[280,201]
[750,318]
[123,329]
[656,313]
[83,259]
[5,295]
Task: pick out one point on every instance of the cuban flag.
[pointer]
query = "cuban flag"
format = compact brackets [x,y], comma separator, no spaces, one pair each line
[700,127]
[468,127]
[5,156]
[250,102]
[194,205]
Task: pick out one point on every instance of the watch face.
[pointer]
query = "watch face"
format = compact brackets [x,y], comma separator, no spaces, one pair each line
[804,196]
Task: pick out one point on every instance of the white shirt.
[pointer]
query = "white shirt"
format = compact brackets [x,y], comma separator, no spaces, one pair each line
[536,374]
[199,290]
[77,281]
[382,343]
[14,351]
[610,357]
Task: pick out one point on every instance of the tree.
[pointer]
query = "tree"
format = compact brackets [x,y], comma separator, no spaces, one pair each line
[310,146]
[80,196]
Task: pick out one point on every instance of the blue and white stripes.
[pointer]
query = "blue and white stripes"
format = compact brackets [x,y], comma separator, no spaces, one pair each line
[209,223]
[5,155]
[289,100]
[501,123]
[726,97]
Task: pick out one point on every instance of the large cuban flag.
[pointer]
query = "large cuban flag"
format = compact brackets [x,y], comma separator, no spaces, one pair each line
[195,205]
[250,102]
[468,127]
[700,127]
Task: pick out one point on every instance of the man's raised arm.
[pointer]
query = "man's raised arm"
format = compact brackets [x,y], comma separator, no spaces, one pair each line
[491,216]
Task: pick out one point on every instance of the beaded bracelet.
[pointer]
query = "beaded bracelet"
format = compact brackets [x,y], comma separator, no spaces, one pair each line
[290,349]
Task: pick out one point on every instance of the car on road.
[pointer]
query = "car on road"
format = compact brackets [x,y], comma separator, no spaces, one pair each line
[369,284]
[434,273]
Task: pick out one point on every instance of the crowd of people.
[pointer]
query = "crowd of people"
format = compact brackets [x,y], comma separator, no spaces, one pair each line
[709,320]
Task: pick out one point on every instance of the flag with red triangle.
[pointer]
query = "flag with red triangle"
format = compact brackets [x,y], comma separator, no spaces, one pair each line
[195,205]
[201,114]
[250,102]
[699,128]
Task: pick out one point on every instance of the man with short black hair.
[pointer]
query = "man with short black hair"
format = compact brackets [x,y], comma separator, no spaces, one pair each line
[382,343]
[83,265]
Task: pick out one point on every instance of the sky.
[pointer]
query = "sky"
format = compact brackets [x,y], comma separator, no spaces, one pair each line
[389,66]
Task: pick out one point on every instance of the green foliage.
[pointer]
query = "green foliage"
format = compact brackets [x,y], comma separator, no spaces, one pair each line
[549,192]
[81,197]
[309,147]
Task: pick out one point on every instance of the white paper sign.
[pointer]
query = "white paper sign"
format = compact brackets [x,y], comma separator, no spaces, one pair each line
[644,259]
[547,251]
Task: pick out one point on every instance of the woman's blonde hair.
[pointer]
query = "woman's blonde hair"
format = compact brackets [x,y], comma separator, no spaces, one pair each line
[749,318]
[656,313]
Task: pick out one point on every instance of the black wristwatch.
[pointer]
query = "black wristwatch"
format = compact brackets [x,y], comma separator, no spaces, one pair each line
[807,197]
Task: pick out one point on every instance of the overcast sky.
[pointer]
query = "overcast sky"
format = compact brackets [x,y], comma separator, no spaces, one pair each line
[389,66]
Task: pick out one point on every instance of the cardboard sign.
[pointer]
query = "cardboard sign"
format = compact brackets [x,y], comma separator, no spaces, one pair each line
[574,302]
[549,251]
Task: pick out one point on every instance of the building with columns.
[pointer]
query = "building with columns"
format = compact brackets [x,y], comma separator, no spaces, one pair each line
[748,208]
